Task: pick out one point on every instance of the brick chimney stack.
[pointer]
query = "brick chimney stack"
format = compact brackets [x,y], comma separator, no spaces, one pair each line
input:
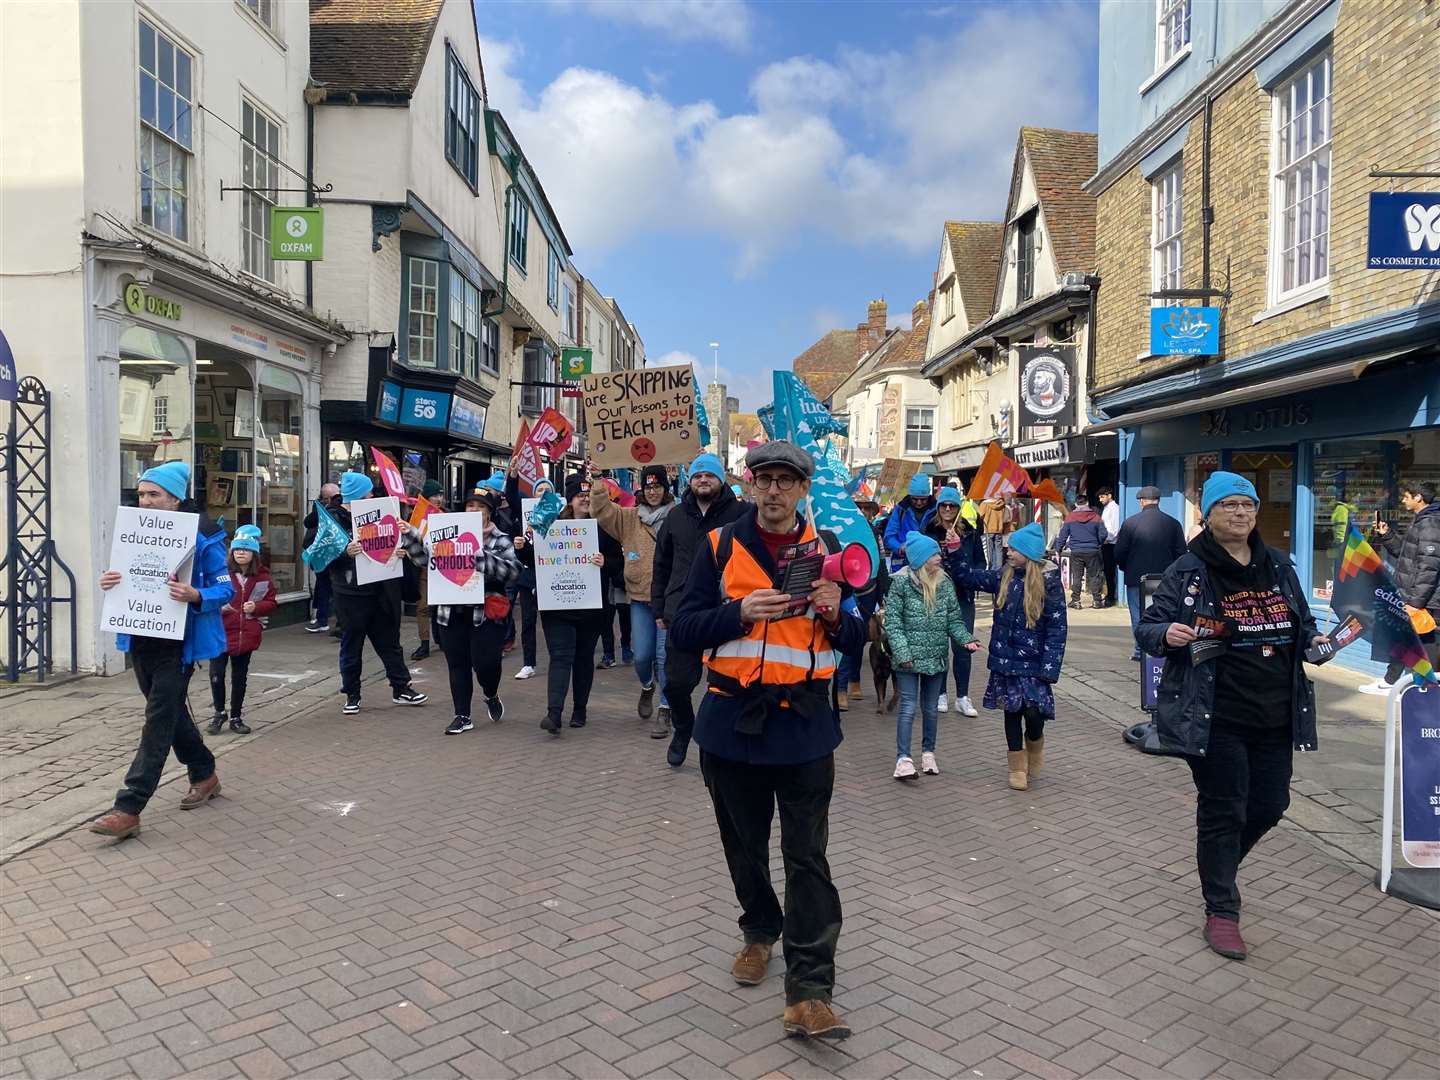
[862,339]
[919,315]
[878,317]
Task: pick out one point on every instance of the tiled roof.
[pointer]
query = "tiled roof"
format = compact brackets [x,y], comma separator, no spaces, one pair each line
[370,47]
[975,248]
[1060,162]
[825,364]
[745,426]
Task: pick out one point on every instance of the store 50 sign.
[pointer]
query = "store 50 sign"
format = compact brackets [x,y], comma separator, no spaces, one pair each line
[140,302]
[424,408]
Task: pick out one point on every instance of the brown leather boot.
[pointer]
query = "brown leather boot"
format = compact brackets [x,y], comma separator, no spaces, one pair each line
[117,825]
[842,700]
[1035,751]
[1019,762]
[814,1019]
[750,963]
[201,793]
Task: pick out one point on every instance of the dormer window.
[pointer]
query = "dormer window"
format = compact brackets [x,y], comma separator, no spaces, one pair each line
[1025,248]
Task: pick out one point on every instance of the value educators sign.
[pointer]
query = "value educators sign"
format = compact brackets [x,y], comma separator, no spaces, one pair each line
[376,524]
[149,549]
[1404,231]
[1046,381]
[297,233]
[1185,331]
[637,417]
[454,541]
[565,578]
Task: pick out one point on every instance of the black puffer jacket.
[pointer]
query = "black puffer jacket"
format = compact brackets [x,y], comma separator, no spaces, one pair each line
[1416,557]
[1186,695]
[678,540]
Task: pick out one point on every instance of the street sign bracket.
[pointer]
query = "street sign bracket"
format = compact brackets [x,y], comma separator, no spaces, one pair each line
[312,190]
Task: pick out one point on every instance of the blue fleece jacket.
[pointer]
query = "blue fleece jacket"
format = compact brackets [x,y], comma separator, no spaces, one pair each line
[903,521]
[204,628]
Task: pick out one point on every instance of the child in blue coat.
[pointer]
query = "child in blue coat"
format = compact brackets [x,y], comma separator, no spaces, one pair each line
[1027,646]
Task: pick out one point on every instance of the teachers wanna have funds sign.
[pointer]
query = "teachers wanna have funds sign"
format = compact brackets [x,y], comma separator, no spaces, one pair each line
[149,550]
[566,578]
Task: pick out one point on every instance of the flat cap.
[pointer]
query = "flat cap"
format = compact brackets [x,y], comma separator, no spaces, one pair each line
[1149,491]
[780,453]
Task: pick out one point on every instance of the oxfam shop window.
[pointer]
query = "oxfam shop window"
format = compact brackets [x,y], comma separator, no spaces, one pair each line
[1358,480]
[280,473]
[157,422]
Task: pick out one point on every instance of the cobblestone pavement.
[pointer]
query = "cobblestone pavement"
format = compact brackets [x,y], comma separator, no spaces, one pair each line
[372,898]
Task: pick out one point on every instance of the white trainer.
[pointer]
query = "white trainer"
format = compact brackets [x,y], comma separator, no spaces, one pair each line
[905,769]
[526,672]
[943,705]
[965,707]
[1379,687]
[928,765]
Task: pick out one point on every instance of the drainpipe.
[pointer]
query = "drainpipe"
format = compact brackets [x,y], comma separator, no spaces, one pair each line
[1207,212]
[309,194]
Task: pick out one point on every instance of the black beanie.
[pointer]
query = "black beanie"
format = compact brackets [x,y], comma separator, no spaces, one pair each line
[574,485]
[656,473]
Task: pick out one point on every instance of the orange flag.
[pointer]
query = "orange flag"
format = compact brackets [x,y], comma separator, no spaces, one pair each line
[998,475]
[1047,491]
[421,511]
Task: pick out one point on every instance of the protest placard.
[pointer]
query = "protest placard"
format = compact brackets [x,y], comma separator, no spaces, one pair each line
[893,483]
[150,548]
[455,540]
[376,524]
[637,417]
[565,579]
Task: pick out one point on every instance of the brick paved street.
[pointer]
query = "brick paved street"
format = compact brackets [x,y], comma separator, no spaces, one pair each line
[371,898]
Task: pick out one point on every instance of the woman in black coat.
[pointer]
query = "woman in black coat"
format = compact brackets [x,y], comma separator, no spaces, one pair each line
[1231,619]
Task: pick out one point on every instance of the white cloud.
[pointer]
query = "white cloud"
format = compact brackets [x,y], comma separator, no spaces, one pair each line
[673,358]
[730,22]
[868,148]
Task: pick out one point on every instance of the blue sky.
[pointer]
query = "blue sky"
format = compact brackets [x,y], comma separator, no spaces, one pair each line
[756,173]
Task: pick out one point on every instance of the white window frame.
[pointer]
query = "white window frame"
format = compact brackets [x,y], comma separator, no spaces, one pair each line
[490,346]
[1314,159]
[260,192]
[160,415]
[263,12]
[924,416]
[412,357]
[177,143]
[1167,229]
[464,303]
[567,314]
[1172,21]
[517,239]
[552,278]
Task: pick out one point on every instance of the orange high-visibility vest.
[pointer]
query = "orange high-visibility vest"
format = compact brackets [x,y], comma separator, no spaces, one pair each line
[781,652]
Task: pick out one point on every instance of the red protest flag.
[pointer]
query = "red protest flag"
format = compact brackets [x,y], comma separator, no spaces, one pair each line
[389,473]
[553,433]
[1048,492]
[998,475]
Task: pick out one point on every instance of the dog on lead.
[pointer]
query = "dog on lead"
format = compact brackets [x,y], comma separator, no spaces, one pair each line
[881,667]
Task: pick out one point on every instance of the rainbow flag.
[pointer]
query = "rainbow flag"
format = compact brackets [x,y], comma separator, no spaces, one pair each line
[1359,558]
[1365,589]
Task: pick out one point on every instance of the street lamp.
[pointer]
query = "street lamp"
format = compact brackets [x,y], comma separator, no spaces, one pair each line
[716,346]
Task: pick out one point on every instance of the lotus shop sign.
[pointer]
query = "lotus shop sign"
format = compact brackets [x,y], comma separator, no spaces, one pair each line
[297,233]
[1185,331]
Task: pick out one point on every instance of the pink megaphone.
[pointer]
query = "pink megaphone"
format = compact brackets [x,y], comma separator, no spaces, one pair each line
[851,564]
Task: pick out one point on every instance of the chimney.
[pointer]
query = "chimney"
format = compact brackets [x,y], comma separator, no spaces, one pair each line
[862,339]
[919,315]
[878,314]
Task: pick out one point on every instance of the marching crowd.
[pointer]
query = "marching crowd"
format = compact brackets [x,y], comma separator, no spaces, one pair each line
[696,577]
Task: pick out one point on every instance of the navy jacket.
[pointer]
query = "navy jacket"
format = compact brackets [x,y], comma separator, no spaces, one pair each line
[681,535]
[806,731]
[1148,543]
[1016,649]
[1083,532]
[969,555]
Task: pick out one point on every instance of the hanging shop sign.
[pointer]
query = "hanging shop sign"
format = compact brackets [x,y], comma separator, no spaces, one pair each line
[1046,378]
[424,409]
[1185,331]
[1056,452]
[1404,231]
[387,405]
[297,233]
[576,363]
[140,302]
[467,418]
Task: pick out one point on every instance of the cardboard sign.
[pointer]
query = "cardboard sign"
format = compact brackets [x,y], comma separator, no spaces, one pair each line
[634,418]
[1420,776]
[150,547]
[454,541]
[894,481]
[565,579]
[376,524]
[389,473]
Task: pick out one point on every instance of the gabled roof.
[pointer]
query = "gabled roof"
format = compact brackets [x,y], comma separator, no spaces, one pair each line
[372,49]
[1060,162]
[975,249]
[827,363]
[911,354]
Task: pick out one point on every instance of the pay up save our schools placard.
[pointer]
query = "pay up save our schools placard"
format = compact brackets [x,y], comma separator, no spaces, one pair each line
[376,524]
[149,549]
[455,540]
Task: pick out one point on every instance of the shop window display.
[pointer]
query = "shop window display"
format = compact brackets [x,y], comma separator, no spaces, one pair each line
[1273,474]
[156,420]
[280,473]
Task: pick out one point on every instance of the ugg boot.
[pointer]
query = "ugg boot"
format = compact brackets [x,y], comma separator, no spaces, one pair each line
[1017,759]
[1035,751]
[842,700]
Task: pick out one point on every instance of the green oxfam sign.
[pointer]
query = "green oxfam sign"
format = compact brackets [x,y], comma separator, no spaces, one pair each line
[297,233]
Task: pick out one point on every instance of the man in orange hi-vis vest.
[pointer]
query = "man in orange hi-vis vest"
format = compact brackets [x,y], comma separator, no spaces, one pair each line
[768,726]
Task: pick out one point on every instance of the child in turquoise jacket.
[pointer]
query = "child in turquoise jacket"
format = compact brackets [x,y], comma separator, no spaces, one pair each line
[922,617]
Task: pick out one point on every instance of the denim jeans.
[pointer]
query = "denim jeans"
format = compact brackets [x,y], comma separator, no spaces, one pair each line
[1132,601]
[848,670]
[994,545]
[164,680]
[648,641]
[925,691]
[959,655]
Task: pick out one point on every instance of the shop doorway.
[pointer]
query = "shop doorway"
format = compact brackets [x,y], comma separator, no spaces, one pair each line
[1273,474]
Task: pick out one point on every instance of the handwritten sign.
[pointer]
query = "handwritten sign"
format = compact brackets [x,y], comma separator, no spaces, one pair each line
[565,578]
[150,547]
[637,417]
[893,483]
[454,541]
[376,524]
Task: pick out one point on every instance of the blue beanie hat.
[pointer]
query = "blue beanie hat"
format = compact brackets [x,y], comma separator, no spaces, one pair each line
[708,463]
[247,538]
[948,495]
[919,549]
[1029,541]
[173,476]
[495,482]
[1222,485]
[920,485]
[354,485]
